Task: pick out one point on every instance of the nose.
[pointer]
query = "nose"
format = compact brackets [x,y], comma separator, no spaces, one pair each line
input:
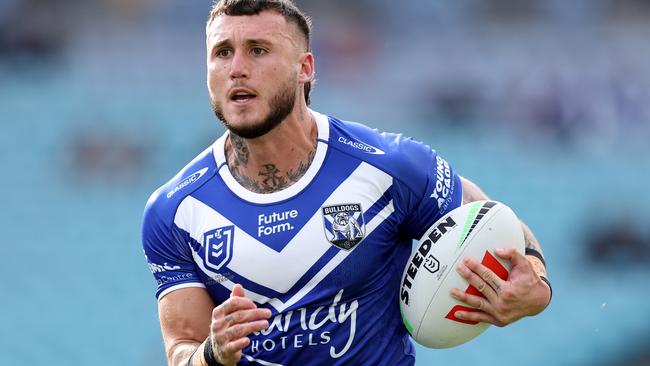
[239,68]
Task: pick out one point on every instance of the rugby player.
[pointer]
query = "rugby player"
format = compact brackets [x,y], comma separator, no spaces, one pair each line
[284,242]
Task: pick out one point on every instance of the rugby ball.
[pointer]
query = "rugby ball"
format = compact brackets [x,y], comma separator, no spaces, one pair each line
[475,230]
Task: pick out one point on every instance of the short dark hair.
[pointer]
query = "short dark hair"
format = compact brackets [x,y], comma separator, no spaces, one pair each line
[286,8]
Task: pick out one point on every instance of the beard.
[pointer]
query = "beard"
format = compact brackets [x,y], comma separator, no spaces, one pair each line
[280,107]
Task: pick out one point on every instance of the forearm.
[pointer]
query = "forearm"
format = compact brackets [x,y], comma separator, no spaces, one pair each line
[472,192]
[532,244]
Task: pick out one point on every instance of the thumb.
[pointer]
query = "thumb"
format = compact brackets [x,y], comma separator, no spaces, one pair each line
[237,290]
[511,255]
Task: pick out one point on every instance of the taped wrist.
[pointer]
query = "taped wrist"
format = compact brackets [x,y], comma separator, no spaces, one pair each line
[539,265]
[537,254]
[537,260]
[208,353]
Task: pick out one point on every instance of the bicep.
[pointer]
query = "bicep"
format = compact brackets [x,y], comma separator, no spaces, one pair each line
[471,191]
[185,316]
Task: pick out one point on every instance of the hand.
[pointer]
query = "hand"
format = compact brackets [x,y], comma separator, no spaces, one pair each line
[505,302]
[232,322]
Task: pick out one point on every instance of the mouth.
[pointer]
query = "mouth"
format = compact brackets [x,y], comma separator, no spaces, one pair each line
[241,96]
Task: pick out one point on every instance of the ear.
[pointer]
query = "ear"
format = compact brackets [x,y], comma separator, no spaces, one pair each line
[307,68]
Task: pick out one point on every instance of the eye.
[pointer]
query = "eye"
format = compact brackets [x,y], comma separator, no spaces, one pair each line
[224,52]
[258,51]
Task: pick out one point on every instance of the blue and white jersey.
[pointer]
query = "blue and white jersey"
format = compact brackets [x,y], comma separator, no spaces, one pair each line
[325,255]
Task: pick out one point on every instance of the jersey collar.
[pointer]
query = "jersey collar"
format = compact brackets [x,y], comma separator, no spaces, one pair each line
[322,123]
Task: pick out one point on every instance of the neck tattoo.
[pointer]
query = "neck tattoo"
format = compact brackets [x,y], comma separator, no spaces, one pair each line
[269,178]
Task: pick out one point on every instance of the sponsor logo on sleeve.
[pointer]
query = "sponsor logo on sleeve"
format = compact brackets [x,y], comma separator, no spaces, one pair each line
[162,280]
[187,181]
[159,268]
[369,149]
[444,184]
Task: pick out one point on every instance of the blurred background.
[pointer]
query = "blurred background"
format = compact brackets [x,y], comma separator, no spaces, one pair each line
[544,103]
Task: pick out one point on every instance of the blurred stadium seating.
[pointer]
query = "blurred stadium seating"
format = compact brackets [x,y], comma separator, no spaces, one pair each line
[545,104]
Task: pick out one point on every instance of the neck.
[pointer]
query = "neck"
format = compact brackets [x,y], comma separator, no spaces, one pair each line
[276,160]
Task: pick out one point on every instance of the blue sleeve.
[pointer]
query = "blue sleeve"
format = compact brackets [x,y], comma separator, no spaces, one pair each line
[433,190]
[166,250]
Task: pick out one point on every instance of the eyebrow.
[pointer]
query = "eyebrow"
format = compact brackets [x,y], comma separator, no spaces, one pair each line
[249,42]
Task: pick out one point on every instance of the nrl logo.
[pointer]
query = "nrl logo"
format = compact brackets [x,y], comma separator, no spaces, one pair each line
[431,264]
[217,244]
[344,225]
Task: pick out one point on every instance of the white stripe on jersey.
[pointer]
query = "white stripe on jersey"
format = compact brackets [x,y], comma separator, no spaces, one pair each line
[254,260]
[178,287]
[261,362]
[329,267]
[334,262]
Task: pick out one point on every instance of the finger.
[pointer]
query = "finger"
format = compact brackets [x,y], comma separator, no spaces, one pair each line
[222,337]
[474,301]
[237,290]
[511,255]
[231,305]
[477,282]
[241,330]
[485,273]
[235,346]
[477,316]
[245,316]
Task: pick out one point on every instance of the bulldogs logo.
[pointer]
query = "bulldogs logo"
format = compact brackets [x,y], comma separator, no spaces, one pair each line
[344,225]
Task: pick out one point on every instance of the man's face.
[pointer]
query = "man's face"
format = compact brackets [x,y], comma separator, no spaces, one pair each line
[254,71]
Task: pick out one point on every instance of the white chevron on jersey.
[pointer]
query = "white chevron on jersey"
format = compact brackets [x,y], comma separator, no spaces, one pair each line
[254,260]
[334,262]
[278,304]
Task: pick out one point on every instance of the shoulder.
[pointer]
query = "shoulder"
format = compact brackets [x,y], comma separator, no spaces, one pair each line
[399,156]
[164,201]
